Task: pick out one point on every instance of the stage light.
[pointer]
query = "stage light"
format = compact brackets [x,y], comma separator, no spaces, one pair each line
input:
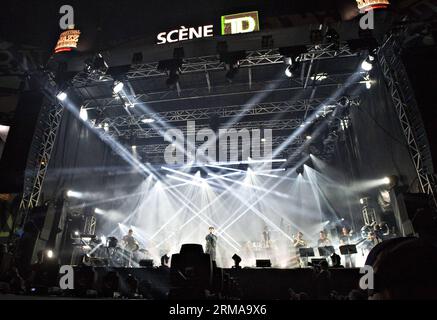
[49,254]
[76,233]
[316,36]
[106,127]
[319,76]
[73,194]
[96,66]
[61,96]
[237,261]
[308,137]
[172,67]
[99,211]
[103,238]
[148,120]
[290,70]
[233,70]
[83,114]
[134,147]
[118,86]
[129,105]
[368,84]
[343,102]
[386,180]
[333,37]
[232,63]
[263,140]
[173,78]
[367,64]
[299,170]
[362,201]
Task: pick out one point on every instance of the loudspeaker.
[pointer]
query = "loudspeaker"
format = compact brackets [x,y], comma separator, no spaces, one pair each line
[15,152]
[263,263]
[146,263]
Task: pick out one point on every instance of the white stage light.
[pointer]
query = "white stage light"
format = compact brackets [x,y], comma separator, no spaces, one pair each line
[368,85]
[49,254]
[61,96]
[386,180]
[73,194]
[118,86]
[367,65]
[134,147]
[83,114]
[99,211]
[148,120]
[103,238]
[308,137]
[106,127]
[288,72]
[76,233]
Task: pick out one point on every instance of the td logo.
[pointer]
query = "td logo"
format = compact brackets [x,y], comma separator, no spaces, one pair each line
[240,23]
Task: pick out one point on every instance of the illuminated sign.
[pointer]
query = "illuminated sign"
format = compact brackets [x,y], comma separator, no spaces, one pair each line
[366,5]
[67,41]
[240,23]
[183,34]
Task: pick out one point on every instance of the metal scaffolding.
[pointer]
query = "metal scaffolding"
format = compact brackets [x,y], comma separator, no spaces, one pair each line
[213,63]
[331,80]
[51,116]
[39,157]
[408,112]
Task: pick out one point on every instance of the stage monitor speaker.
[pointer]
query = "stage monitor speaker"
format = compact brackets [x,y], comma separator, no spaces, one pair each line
[15,152]
[146,263]
[263,263]
[191,249]
[317,261]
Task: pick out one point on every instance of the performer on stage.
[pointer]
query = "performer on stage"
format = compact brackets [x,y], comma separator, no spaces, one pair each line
[346,236]
[130,246]
[211,243]
[129,241]
[266,237]
[371,241]
[298,241]
[323,240]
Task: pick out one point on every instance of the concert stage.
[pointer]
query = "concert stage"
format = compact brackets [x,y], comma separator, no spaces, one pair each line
[254,138]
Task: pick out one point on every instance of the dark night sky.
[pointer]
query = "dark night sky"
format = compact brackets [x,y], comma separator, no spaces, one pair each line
[36,22]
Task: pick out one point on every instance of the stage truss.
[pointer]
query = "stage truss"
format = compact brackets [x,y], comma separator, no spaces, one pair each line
[390,63]
[408,113]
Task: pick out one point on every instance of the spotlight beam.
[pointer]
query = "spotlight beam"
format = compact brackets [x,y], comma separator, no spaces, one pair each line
[279,194]
[185,201]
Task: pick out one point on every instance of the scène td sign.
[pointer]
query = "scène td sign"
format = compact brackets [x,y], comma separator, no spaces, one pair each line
[230,24]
